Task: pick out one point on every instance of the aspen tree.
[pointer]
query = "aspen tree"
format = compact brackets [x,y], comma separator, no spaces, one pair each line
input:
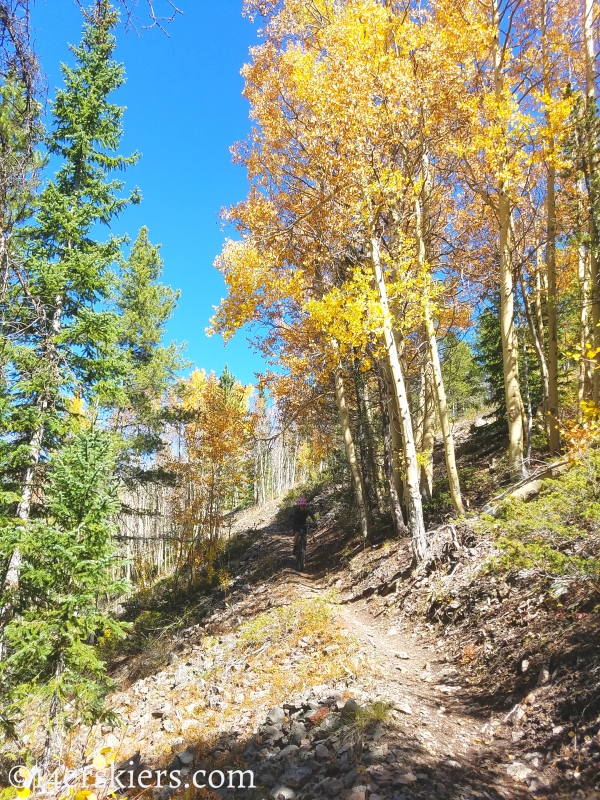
[438,381]
[592,180]
[416,525]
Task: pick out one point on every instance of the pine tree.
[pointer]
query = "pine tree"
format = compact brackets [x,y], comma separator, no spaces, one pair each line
[145,306]
[64,585]
[65,340]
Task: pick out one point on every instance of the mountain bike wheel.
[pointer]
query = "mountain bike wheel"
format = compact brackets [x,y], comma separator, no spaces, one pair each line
[301,559]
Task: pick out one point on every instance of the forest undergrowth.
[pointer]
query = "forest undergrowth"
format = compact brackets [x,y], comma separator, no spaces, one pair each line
[505,606]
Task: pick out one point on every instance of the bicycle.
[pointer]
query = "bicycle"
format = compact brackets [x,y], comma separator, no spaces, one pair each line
[301,549]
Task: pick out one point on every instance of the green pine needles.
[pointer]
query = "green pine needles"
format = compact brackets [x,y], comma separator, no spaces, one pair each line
[66,588]
[83,373]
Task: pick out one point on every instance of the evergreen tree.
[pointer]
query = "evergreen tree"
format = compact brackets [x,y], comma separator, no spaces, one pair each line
[488,349]
[145,306]
[463,377]
[65,583]
[65,340]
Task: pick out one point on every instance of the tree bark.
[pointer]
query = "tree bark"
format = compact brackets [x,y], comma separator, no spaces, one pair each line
[391,468]
[554,435]
[538,346]
[585,373]
[434,357]
[442,404]
[395,428]
[340,398]
[427,433]
[416,524]
[510,352]
[590,108]
[365,441]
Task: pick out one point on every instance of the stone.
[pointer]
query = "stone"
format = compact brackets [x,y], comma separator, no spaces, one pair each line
[111,741]
[321,751]
[272,732]
[334,787]
[540,784]
[374,796]
[403,707]
[358,793]
[518,771]
[404,780]
[544,676]
[267,779]
[296,777]
[350,706]
[297,732]
[402,654]
[282,793]
[276,716]
[185,757]
[392,632]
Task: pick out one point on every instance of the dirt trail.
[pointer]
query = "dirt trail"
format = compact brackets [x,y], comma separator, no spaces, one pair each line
[433,714]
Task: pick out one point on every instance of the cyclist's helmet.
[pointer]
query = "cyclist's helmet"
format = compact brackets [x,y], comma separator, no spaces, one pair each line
[301,502]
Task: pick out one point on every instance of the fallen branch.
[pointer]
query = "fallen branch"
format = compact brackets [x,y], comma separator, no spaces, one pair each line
[542,473]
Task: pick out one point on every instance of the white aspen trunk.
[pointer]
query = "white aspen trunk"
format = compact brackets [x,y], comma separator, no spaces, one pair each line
[350,449]
[539,348]
[554,435]
[427,434]
[583,272]
[392,473]
[395,428]
[442,404]
[538,297]
[510,352]
[434,356]
[590,91]
[416,524]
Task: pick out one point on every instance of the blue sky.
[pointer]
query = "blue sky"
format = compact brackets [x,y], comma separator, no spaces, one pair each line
[184,110]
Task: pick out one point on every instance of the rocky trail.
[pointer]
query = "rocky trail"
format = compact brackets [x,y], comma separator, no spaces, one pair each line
[322,686]
[436,742]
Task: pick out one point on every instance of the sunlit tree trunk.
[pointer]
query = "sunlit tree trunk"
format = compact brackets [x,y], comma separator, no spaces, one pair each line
[590,107]
[551,255]
[392,473]
[395,429]
[442,405]
[434,357]
[510,352]
[427,432]
[538,345]
[583,273]
[416,524]
[350,449]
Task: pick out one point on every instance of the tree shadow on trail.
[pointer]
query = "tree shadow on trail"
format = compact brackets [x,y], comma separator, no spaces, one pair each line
[312,751]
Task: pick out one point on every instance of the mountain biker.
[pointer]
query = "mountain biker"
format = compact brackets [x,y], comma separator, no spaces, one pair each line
[299,517]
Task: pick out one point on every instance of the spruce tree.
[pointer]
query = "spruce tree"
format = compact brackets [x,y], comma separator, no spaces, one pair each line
[65,339]
[145,306]
[65,585]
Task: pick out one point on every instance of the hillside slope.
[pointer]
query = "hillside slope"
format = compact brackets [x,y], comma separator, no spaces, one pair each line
[363,679]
